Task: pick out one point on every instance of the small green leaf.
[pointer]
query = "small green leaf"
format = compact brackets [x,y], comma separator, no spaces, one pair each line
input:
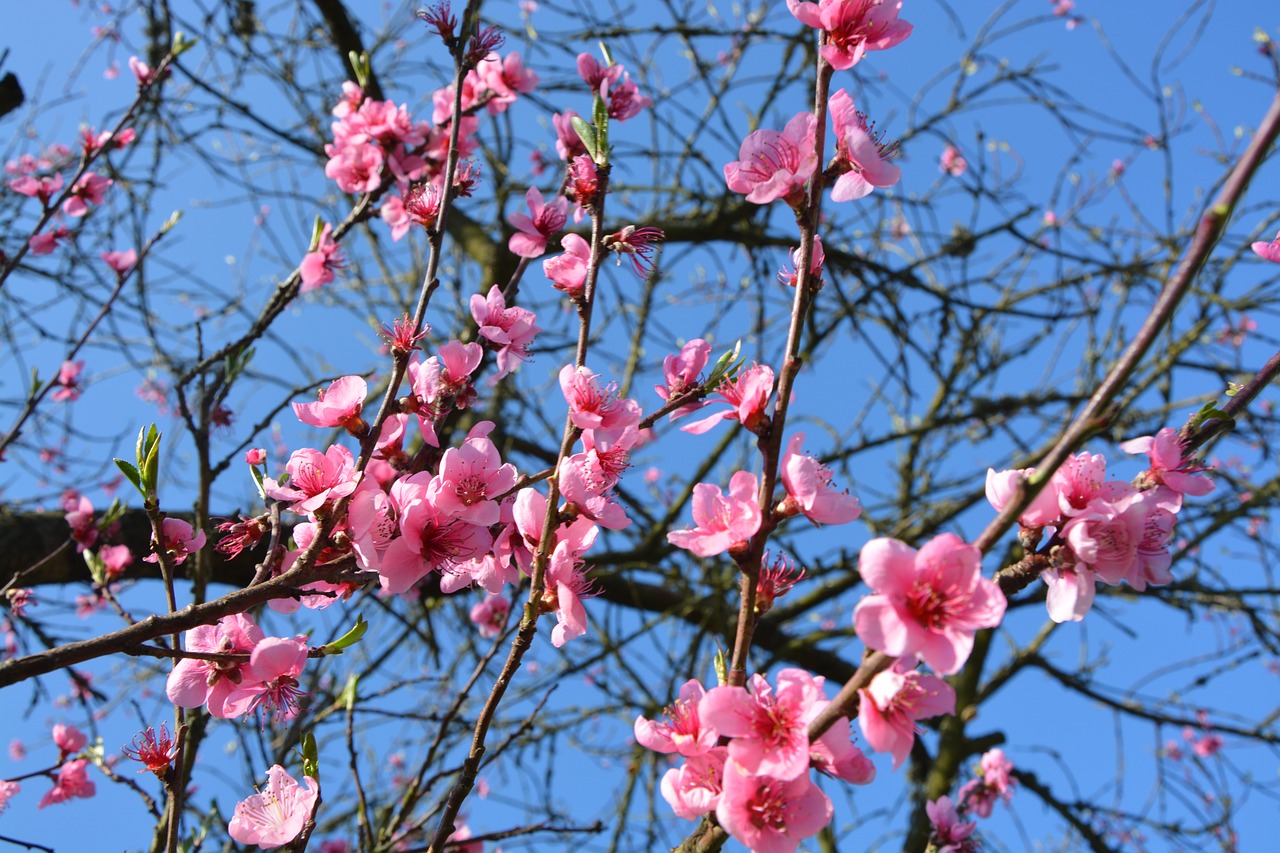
[310,757]
[348,695]
[360,66]
[97,568]
[724,366]
[722,669]
[348,639]
[587,134]
[131,473]
[317,228]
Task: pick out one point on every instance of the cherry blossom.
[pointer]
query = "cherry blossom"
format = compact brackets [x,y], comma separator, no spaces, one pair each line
[72,781]
[682,373]
[180,540]
[272,683]
[195,682]
[681,729]
[993,783]
[769,727]
[694,788]
[277,814]
[1043,510]
[69,739]
[79,516]
[1106,535]
[511,330]
[892,703]
[1070,591]
[862,156]
[1268,251]
[568,272]
[44,244]
[1169,466]
[852,27]
[566,586]
[568,144]
[952,163]
[809,490]
[315,478]
[834,754]
[773,165]
[7,790]
[928,603]
[355,168]
[594,407]
[68,382]
[430,539]
[317,267]
[90,189]
[950,834]
[722,520]
[339,405]
[154,750]
[471,477]
[789,276]
[490,615]
[121,261]
[43,188]
[747,396]
[533,229]
[771,815]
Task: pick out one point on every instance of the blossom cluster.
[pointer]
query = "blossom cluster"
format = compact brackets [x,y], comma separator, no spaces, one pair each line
[1105,530]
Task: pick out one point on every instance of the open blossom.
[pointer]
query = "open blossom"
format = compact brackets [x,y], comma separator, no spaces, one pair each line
[568,144]
[194,682]
[567,585]
[339,405]
[7,790]
[490,615]
[44,244]
[682,372]
[90,189]
[862,156]
[809,489]
[511,330]
[315,478]
[928,603]
[694,788]
[431,539]
[952,162]
[317,267]
[895,700]
[789,276]
[1106,535]
[747,396]
[543,221]
[1169,466]
[121,261]
[69,739]
[275,815]
[180,540]
[471,476]
[68,382]
[993,783]
[773,165]
[568,272]
[852,27]
[950,834]
[594,407]
[1001,486]
[681,729]
[272,679]
[722,520]
[769,726]
[771,815]
[73,781]
[1268,251]
[43,188]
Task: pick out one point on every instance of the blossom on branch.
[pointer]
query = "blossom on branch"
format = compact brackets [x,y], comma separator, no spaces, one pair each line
[850,28]
[276,815]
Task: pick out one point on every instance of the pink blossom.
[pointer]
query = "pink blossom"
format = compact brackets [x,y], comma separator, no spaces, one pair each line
[638,244]
[315,478]
[566,586]
[1169,465]
[503,78]
[789,275]
[490,615]
[355,167]
[625,100]
[471,477]
[862,155]
[69,739]
[747,396]
[895,700]
[1079,481]
[317,267]
[769,728]
[928,603]
[511,330]
[1043,510]
[682,372]
[193,682]
[44,244]
[993,783]
[7,790]
[568,144]
[593,407]
[582,182]
[952,163]
[771,815]
[681,729]
[17,751]
[431,540]
[1207,746]
[272,679]
[73,781]
[597,76]
[1106,535]
[255,456]
[180,540]
[834,754]
[586,493]
[79,516]
[68,382]
[276,815]
[90,189]
[568,272]
[541,223]
[722,520]
[852,27]
[950,834]
[121,261]
[694,788]
[809,489]
[43,188]
[155,751]
[1070,591]
[339,405]
[776,580]
[773,165]
[142,72]
[352,96]
[1268,251]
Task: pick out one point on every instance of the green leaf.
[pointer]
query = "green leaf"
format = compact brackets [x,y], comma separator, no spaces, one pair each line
[586,133]
[724,367]
[310,757]
[348,695]
[360,66]
[97,568]
[131,473]
[348,639]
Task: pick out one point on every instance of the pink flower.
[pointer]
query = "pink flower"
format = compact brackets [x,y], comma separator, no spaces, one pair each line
[694,788]
[68,382]
[993,783]
[769,728]
[681,729]
[1070,591]
[43,188]
[789,276]
[771,815]
[1043,509]
[593,407]
[355,167]
[950,834]
[568,143]
[490,615]
[541,223]
[90,189]
[809,490]
[73,781]
[1169,466]
[638,244]
[890,706]
[952,163]
[272,683]
[625,100]
[121,261]
[79,516]
[568,272]
[7,790]
[315,478]
[180,540]
[274,816]
[338,406]
[567,585]
[44,244]
[852,27]
[193,682]
[597,76]
[585,492]
[511,330]
[747,396]
[155,751]
[255,456]
[928,603]
[862,155]
[722,520]
[143,72]
[834,755]
[773,165]
[69,739]
[1268,251]
[1079,481]
[471,477]
[317,267]
[431,540]
[683,374]
[1105,537]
